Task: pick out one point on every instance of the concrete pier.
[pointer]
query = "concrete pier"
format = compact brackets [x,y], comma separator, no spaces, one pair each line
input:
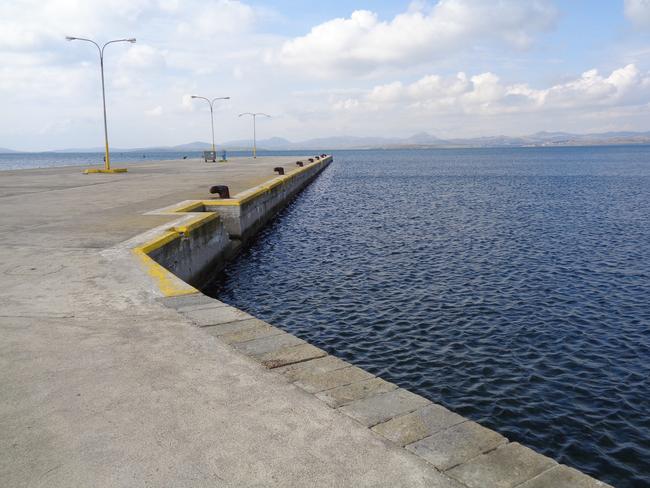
[116,372]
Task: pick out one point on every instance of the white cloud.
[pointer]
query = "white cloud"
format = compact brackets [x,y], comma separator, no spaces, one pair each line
[363,42]
[155,111]
[485,94]
[638,12]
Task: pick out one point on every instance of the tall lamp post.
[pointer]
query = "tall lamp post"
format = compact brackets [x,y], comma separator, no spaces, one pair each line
[107,161]
[211,103]
[254,116]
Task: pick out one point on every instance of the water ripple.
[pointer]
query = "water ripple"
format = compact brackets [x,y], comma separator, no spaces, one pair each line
[508,285]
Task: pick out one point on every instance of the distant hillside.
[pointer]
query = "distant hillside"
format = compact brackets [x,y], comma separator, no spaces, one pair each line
[4,150]
[421,140]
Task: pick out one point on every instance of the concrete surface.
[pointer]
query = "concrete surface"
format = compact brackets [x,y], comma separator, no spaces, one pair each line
[457,444]
[422,423]
[505,467]
[105,383]
[102,385]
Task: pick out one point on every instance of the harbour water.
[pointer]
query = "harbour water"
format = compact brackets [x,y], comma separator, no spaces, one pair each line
[510,285]
[11,161]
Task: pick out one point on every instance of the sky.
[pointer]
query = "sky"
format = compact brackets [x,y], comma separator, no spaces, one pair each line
[451,68]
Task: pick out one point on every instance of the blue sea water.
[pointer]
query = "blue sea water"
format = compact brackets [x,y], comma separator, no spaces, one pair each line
[12,161]
[510,285]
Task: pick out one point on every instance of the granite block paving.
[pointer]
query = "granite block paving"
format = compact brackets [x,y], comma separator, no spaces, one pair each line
[203,306]
[422,423]
[332,379]
[456,444]
[291,355]
[342,395]
[216,315]
[261,346]
[230,327]
[192,299]
[294,372]
[563,477]
[257,332]
[505,467]
[380,408]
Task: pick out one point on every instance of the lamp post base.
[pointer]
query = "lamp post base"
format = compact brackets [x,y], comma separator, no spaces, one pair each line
[109,171]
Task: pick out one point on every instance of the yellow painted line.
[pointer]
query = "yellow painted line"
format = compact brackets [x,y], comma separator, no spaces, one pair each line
[168,283]
[158,242]
[190,207]
[195,223]
[222,203]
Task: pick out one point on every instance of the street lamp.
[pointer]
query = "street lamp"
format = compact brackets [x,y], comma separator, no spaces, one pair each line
[211,102]
[254,115]
[107,162]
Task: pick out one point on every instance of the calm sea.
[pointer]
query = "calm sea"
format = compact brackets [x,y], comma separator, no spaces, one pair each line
[52,160]
[510,285]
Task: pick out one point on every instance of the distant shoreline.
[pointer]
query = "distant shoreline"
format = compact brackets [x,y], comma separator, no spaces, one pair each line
[197,152]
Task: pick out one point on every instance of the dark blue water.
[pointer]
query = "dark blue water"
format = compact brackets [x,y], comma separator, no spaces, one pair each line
[510,285]
[11,161]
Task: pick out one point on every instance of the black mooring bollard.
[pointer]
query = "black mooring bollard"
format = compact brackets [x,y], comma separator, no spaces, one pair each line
[300,163]
[279,170]
[222,190]
[311,160]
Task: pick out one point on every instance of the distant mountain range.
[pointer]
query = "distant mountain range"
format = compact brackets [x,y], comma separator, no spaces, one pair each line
[421,140]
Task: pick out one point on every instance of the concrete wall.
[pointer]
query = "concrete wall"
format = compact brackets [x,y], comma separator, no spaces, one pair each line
[258,207]
[202,249]
[193,255]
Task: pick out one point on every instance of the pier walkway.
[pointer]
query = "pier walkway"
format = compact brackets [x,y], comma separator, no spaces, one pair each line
[103,385]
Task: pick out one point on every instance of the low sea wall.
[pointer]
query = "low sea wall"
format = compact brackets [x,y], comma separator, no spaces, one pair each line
[196,250]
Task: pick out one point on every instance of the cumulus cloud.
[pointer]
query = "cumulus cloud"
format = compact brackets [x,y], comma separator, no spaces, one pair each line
[486,94]
[364,42]
[638,12]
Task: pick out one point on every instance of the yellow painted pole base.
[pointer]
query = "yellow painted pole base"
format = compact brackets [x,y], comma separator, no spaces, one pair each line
[110,171]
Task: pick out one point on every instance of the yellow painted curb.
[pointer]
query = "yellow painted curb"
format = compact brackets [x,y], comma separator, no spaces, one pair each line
[195,223]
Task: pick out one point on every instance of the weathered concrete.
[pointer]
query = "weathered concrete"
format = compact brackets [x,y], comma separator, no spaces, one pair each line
[103,385]
[380,408]
[232,327]
[259,347]
[422,423]
[457,444]
[332,379]
[563,477]
[290,355]
[342,395]
[261,330]
[321,365]
[205,317]
[505,467]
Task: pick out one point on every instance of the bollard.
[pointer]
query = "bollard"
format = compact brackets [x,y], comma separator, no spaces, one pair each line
[222,190]
[279,170]
[317,157]
[311,160]
[323,155]
[300,163]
